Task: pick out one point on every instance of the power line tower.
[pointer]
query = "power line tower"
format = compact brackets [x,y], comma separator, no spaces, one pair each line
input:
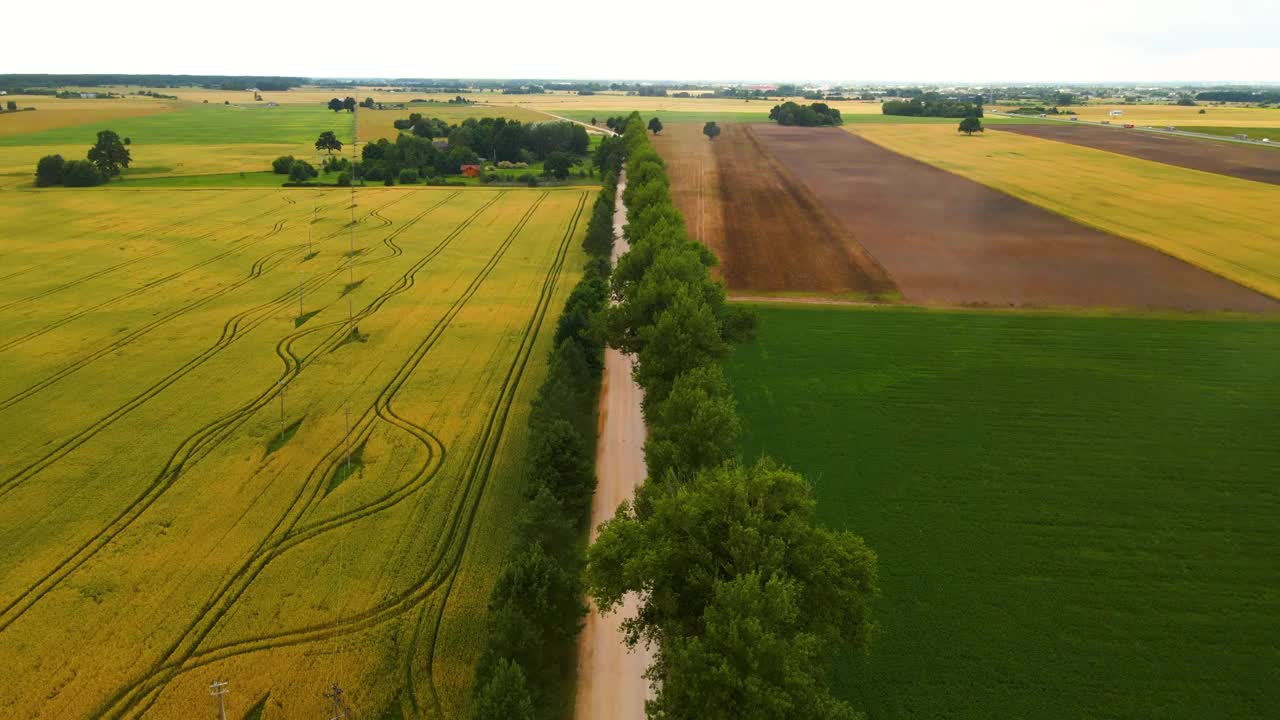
[218,688]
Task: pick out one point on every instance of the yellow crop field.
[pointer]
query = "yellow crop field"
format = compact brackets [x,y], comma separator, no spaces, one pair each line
[52,112]
[1222,224]
[1178,115]
[247,438]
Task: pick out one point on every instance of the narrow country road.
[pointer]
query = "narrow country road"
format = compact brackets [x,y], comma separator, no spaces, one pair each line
[611,684]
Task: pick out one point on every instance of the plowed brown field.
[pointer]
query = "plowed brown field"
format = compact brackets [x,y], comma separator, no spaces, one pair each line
[769,231]
[1242,161]
[945,239]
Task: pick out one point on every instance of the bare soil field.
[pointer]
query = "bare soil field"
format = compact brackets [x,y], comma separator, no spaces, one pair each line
[945,239]
[769,231]
[1241,161]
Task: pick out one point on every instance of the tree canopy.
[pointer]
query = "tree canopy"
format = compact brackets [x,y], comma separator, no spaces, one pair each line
[711,129]
[109,154]
[970,125]
[328,141]
[932,104]
[655,125]
[790,113]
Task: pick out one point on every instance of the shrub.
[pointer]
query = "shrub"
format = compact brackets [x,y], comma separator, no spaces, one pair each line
[388,181]
[81,173]
[302,171]
[49,170]
[408,176]
[282,165]
[344,179]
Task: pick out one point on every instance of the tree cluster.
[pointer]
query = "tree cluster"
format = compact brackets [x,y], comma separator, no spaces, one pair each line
[790,113]
[932,104]
[104,161]
[744,597]
[536,605]
[558,145]
[348,103]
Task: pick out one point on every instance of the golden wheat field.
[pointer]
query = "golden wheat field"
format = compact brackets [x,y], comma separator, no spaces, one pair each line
[1179,115]
[247,439]
[1223,224]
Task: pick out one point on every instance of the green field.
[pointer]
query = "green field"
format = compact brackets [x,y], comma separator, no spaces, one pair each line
[1255,133]
[1075,515]
[211,124]
[234,448]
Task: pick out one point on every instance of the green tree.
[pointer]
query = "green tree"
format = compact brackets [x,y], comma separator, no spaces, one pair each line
[81,173]
[109,153]
[12,105]
[711,130]
[695,428]
[685,336]
[367,103]
[735,546]
[753,659]
[349,104]
[655,125]
[970,125]
[49,170]
[301,171]
[282,165]
[504,696]
[328,141]
[335,105]
[557,164]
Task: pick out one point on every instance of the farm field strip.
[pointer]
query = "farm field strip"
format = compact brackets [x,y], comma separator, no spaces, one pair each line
[1062,504]
[769,231]
[1239,161]
[204,125]
[948,240]
[1222,224]
[305,517]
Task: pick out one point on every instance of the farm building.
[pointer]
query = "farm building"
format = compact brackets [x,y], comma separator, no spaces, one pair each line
[471,170]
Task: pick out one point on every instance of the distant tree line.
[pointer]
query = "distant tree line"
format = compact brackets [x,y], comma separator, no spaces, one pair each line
[744,597]
[218,82]
[536,606]
[932,104]
[1240,96]
[104,161]
[790,113]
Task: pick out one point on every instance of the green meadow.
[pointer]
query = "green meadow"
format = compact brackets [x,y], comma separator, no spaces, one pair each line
[1075,515]
[205,125]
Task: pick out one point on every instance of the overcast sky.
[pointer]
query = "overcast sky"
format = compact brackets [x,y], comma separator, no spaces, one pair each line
[797,40]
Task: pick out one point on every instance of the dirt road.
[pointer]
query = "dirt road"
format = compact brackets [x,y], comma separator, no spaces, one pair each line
[611,682]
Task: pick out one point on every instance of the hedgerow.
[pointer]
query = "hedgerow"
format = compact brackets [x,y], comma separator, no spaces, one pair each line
[744,597]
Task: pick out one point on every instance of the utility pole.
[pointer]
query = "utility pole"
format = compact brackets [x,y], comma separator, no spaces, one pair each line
[334,693]
[284,385]
[218,688]
[346,412]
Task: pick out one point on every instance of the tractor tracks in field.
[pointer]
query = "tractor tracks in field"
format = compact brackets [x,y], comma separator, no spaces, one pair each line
[15,342]
[261,265]
[130,262]
[289,532]
[203,440]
